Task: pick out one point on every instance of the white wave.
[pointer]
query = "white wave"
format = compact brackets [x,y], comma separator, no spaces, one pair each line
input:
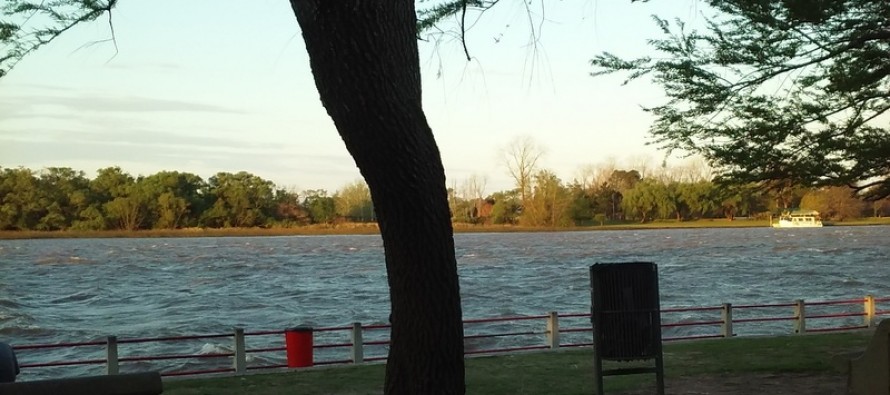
[210,348]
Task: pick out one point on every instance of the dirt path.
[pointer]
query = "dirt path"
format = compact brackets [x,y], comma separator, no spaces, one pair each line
[764,383]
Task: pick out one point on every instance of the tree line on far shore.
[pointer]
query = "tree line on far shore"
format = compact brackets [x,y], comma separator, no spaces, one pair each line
[60,198]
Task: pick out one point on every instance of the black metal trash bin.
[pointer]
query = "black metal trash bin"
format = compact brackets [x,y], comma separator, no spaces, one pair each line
[9,365]
[626,318]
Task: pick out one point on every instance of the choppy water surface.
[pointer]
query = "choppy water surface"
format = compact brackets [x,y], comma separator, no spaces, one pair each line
[83,289]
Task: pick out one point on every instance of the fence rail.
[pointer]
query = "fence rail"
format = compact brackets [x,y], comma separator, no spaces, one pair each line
[358,343]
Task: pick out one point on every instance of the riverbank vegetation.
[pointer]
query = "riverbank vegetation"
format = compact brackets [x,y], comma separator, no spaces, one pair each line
[371,229]
[563,372]
[170,203]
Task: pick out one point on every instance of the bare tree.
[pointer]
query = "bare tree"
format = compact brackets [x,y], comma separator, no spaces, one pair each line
[548,205]
[642,164]
[521,158]
[585,176]
[472,191]
[604,172]
[474,187]
[594,176]
[699,170]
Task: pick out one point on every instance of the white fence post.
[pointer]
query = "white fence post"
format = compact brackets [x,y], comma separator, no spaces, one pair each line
[358,344]
[870,311]
[800,315]
[553,330]
[112,365]
[240,360]
[726,315]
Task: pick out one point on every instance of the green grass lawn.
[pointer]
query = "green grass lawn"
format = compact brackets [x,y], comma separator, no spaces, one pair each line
[563,372]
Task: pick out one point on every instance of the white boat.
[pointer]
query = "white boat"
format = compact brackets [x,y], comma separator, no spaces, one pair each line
[798,219]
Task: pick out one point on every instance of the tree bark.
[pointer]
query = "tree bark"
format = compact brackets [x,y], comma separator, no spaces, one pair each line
[363,55]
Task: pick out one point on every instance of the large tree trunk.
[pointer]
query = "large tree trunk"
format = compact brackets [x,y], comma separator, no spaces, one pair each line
[364,58]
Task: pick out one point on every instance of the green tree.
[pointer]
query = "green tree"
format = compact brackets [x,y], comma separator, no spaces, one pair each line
[123,203]
[777,91]
[110,183]
[238,200]
[321,207]
[506,207]
[175,198]
[583,204]
[353,202]
[607,201]
[130,211]
[745,200]
[287,209]
[835,203]
[549,204]
[21,204]
[647,199]
[91,218]
[65,193]
[623,180]
[671,202]
[171,211]
[600,219]
[611,194]
[699,197]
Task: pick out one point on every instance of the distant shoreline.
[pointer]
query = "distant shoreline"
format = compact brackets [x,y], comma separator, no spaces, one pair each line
[371,229]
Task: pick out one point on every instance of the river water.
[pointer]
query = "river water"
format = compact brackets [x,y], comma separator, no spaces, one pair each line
[58,290]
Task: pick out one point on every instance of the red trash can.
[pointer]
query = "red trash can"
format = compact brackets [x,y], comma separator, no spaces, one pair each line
[298,341]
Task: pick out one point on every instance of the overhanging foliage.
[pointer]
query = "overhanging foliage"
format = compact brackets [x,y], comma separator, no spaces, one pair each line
[780,92]
[28,25]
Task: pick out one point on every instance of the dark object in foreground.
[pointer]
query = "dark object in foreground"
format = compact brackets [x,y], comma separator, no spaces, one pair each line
[9,365]
[148,383]
[869,372]
[626,317]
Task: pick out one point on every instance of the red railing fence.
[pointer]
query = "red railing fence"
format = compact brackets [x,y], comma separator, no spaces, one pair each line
[359,343]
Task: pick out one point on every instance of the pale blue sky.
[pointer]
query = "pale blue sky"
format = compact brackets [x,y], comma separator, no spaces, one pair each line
[210,85]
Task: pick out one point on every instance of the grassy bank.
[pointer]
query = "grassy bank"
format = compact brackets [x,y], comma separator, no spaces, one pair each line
[351,229]
[860,222]
[361,229]
[564,372]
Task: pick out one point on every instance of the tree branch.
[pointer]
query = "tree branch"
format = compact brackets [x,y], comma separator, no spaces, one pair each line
[61,22]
